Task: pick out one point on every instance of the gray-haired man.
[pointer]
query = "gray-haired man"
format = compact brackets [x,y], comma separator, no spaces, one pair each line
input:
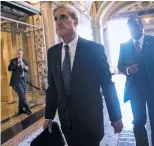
[76,69]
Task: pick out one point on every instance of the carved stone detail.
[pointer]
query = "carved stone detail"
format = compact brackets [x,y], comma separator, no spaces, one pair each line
[40,53]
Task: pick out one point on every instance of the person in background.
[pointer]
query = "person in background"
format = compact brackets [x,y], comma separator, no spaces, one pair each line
[19,68]
[136,61]
[76,69]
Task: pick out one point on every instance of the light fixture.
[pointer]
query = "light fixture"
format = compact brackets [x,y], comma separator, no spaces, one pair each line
[147,20]
[33,2]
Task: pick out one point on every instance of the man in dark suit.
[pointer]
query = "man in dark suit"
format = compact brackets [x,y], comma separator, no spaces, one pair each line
[136,61]
[76,69]
[19,68]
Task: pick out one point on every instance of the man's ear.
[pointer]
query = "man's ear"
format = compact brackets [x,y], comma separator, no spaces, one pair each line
[75,22]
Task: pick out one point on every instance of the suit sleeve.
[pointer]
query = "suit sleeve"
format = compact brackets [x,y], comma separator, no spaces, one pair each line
[12,66]
[51,94]
[108,87]
[121,62]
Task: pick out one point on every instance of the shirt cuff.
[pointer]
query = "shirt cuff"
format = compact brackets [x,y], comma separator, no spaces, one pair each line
[127,71]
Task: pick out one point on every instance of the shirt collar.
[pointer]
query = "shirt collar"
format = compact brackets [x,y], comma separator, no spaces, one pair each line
[140,40]
[73,42]
[19,58]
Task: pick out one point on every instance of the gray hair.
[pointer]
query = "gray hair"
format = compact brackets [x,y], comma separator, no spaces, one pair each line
[19,50]
[71,10]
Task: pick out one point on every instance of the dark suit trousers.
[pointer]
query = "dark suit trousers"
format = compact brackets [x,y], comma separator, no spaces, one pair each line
[21,91]
[138,104]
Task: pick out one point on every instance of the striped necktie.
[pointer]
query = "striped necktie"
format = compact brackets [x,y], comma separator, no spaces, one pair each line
[137,46]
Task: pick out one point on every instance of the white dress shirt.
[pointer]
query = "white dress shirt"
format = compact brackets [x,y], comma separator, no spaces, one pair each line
[72,50]
[141,40]
[21,61]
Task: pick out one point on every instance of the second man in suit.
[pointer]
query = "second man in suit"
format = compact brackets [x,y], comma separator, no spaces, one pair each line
[19,68]
[136,61]
[76,69]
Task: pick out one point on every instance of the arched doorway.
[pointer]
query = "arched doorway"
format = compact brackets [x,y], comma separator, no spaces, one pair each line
[118,33]
[109,14]
[113,10]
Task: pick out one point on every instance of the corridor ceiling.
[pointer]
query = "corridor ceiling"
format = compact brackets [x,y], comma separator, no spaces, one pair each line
[13,15]
[102,11]
[17,9]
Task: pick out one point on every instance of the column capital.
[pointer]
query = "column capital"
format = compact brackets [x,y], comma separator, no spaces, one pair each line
[96,26]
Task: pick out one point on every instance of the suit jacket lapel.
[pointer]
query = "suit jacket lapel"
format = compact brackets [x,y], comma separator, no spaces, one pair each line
[132,50]
[58,65]
[16,60]
[58,58]
[145,43]
[145,48]
[77,54]
[77,57]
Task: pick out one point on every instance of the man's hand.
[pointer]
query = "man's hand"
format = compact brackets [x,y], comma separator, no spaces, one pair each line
[19,64]
[133,69]
[117,125]
[26,68]
[22,65]
[47,124]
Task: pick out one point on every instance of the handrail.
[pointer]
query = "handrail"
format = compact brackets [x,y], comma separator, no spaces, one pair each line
[35,86]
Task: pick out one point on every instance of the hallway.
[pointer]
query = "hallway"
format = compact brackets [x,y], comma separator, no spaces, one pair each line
[125,138]
[31,26]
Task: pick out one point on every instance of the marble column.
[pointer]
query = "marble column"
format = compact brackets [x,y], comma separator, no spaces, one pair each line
[100,36]
[106,46]
[96,33]
[48,23]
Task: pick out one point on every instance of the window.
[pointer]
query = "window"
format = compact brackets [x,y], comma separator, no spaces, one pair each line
[118,33]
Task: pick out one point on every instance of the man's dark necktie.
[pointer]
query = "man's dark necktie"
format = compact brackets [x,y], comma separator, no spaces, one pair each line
[66,70]
[137,46]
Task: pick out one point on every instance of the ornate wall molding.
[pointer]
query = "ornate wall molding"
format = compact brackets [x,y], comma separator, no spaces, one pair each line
[40,53]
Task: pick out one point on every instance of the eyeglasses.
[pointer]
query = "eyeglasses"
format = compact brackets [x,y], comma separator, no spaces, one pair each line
[61,17]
